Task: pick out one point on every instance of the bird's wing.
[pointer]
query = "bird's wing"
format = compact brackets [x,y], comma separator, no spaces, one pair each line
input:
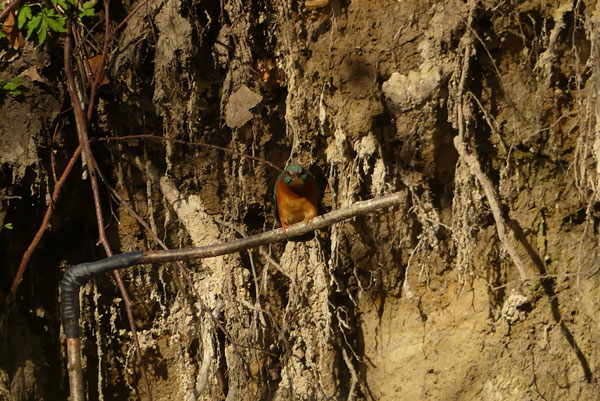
[275,203]
[275,195]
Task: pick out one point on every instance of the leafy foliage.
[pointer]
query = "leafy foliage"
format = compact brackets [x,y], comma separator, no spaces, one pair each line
[45,18]
[12,86]
[39,18]
[87,9]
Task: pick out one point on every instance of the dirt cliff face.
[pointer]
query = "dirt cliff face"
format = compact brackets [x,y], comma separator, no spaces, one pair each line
[482,285]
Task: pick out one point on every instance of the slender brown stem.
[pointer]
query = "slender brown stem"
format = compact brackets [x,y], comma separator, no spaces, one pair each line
[82,55]
[208,145]
[122,23]
[133,328]
[82,130]
[98,75]
[45,220]
[52,158]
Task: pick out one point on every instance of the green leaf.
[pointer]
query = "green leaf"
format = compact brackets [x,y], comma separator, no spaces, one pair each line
[24,16]
[63,23]
[42,31]
[8,226]
[87,9]
[33,24]
[61,3]
[57,24]
[15,92]
[12,84]
[85,13]
[2,34]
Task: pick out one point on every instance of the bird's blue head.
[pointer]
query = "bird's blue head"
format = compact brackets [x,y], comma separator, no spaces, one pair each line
[294,171]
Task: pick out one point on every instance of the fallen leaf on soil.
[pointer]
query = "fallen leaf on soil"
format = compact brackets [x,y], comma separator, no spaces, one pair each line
[95,64]
[237,111]
[33,74]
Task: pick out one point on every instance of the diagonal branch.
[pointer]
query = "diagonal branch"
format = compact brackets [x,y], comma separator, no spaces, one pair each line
[173,140]
[45,220]
[82,131]
[126,19]
[242,244]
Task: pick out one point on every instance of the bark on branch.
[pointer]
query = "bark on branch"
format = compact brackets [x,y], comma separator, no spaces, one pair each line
[242,244]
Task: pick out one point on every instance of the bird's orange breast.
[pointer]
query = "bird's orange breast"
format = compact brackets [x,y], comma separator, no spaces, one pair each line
[298,204]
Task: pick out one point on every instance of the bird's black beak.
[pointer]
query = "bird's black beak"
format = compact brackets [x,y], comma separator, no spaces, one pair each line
[296,180]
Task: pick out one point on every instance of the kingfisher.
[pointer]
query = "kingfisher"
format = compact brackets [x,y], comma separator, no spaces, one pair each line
[296,196]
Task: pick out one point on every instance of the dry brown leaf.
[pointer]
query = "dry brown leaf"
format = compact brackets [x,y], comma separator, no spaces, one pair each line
[95,65]
[33,74]
[9,23]
[237,111]
[15,36]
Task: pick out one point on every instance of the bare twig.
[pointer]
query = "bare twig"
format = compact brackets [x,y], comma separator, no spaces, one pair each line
[122,23]
[358,208]
[45,220]
[203,144]
[52,158]
[82,131]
